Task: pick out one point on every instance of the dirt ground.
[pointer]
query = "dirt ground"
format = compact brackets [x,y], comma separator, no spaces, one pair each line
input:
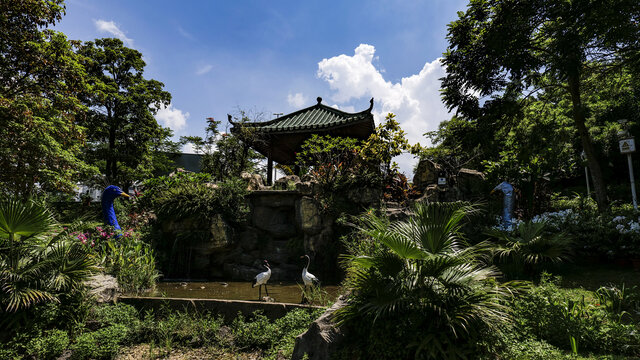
[148,352]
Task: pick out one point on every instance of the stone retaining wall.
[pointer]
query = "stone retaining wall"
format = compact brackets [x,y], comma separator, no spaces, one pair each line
[226,308]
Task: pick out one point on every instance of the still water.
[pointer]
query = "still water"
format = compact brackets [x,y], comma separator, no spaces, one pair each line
[280,292]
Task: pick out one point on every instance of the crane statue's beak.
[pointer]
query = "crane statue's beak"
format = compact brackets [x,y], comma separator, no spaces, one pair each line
[124,194]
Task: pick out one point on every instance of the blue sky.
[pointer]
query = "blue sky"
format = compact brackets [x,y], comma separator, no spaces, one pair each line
[278,56]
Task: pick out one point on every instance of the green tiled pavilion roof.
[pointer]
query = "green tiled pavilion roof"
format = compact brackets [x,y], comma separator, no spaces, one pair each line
[316,117]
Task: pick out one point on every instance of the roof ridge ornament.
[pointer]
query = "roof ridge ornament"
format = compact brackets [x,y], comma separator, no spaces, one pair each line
[371,106]
[319,100]
[229,117]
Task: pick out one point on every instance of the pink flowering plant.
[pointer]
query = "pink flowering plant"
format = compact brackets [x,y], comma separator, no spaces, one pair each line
[121,253]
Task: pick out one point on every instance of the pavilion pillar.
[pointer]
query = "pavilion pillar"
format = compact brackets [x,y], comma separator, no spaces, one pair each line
[269,171]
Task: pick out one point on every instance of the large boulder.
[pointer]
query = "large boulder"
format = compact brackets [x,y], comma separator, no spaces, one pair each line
[286,182]
[276,221]
[365,196]
[308,188]
[254,181]
[240,272]
[248,239]
[426,174]
[323,337]
[218,237]
[104,288]
[308,216]
[472,184]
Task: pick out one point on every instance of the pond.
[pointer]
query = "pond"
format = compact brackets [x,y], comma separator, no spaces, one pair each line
[280,292]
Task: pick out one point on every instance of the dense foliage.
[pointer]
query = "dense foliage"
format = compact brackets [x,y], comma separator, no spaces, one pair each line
[190,195]
[419,281]
[119,326]
[40,78]
[36,265]
[124,139]
[123,254]
[552,46]
[549,318]
[340,165]
[227,155]
[529,247]
[69,109]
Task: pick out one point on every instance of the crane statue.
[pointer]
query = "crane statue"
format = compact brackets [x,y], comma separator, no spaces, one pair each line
[261,279]
[109,194]
[308,278]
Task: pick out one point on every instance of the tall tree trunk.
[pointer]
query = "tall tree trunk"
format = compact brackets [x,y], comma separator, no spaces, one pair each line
[592,160]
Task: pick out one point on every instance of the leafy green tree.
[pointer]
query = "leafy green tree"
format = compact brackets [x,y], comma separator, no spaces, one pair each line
[227,155]
[421,269]
[539,146]
[124,139]
[332,161]
[40,77]
[500,50]
[387,141]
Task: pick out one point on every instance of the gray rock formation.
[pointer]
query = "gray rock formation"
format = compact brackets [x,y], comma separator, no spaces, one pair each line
[323,337]
[308,216]
[254,181]
[465,184]
[104,288]
[281,226]
[426,174]
[286,182]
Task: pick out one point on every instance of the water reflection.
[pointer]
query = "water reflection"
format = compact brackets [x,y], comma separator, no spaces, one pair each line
[280,292]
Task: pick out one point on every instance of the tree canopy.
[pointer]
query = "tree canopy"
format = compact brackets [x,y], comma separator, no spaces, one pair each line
[227,155]
[124,137]
[40,77]
[503,52]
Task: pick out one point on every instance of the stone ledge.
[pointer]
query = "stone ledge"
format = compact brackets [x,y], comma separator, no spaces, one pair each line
[273,192]
[228,309]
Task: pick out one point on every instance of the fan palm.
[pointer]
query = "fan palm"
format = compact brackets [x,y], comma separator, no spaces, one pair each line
[425,272]
[36,265]
[529,247]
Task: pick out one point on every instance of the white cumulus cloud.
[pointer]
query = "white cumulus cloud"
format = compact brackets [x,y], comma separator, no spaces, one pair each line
[113,29]
[297,100]
[415,100]
[172,117]
[201,70]
[188,148]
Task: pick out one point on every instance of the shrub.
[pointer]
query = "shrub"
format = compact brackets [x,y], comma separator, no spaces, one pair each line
[554,315]
[122,254]
[100,344]
[48,346]
[529,247]
[189,196]
[183,329]
[259,332]
[277,337]
[36,264]
[424,285]
[118,314]
[289,327]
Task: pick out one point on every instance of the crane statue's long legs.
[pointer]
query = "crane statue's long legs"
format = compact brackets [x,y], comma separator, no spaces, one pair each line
[265,289]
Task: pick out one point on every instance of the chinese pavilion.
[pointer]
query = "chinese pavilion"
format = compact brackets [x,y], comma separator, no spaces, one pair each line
[280,139]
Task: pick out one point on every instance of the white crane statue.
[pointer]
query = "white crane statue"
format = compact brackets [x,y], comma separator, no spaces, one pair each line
[261,279]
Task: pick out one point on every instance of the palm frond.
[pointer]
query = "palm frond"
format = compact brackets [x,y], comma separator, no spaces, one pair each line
[24,219]
[427,272]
